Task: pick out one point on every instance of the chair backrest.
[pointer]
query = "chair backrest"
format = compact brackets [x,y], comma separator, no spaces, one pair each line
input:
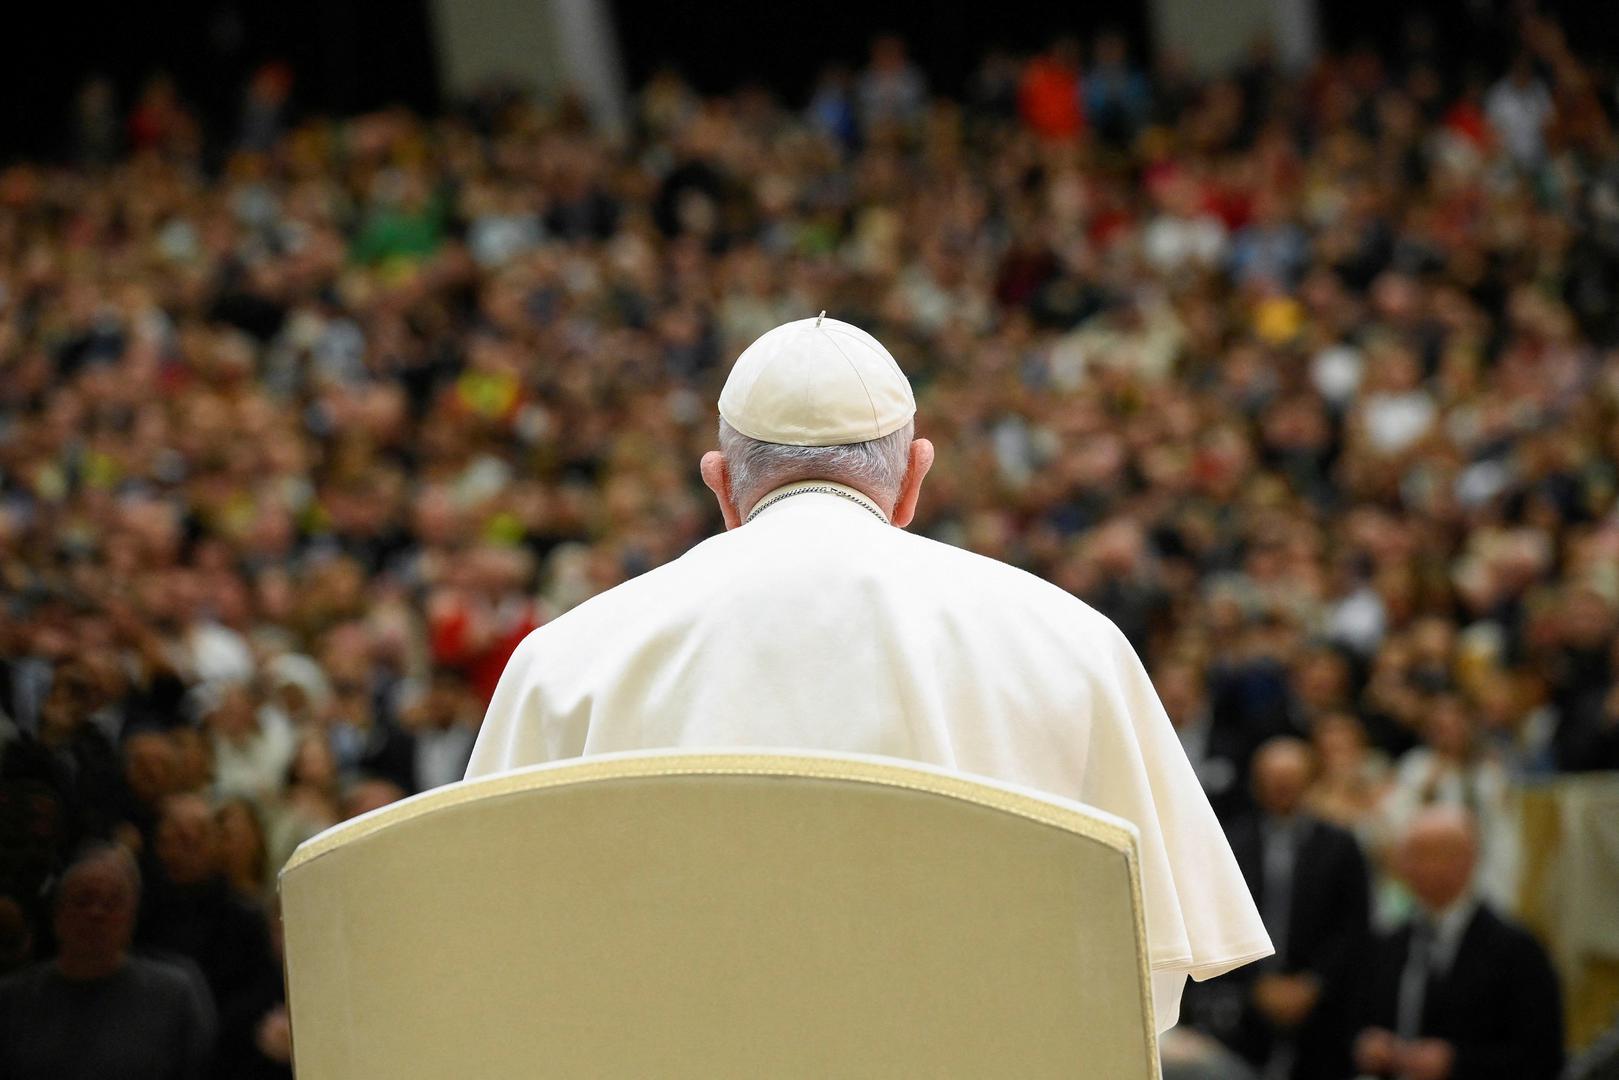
[720,916]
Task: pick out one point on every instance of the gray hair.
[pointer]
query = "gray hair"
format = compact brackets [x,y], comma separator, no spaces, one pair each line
[95,853]
[876,467]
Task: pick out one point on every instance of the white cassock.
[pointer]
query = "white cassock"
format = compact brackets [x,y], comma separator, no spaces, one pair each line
[818,626]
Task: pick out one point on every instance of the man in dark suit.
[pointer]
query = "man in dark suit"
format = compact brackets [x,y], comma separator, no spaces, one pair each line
[1458,993]
[1217,748]
[1292,1018]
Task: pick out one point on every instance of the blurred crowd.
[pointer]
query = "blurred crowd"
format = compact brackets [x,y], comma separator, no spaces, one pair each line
[1310,381]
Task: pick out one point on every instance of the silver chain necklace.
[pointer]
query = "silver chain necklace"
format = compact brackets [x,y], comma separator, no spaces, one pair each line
[818,489]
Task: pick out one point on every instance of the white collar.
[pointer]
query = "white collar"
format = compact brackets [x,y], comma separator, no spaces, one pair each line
[814,487]
[1449,924]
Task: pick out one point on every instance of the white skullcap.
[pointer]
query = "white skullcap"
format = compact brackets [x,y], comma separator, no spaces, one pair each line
[816,382]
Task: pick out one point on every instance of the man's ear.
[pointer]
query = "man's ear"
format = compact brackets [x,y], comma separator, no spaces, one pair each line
[718,480]
[916,469]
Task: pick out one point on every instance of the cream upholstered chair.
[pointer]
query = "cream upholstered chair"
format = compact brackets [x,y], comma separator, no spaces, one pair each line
[720,916]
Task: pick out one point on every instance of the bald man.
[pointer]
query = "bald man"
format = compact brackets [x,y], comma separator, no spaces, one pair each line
[1458,993]
[817,622]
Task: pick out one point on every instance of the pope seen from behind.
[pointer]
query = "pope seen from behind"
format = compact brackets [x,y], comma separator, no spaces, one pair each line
[816,622]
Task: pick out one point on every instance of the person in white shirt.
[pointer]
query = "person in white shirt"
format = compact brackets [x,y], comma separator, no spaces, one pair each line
[1518,108]
[252,743]
[816,622]
[1451,768]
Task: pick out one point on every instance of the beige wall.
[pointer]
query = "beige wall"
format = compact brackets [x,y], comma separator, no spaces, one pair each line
[1215,34]
[543,45]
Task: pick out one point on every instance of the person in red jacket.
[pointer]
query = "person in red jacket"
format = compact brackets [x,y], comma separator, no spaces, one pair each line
[1049,93]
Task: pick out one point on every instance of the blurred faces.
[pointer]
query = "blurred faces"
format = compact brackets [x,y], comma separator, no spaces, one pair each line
[195,757]
[1283,768]
[69,702]
[1340,743]
[1448,727]
[232,717]
[95,913]
[369,795]
[1320,679]
[151,766]
[188,840]
[241,846]
[314,764]
[1437,855]
[1180,688]
[418,426]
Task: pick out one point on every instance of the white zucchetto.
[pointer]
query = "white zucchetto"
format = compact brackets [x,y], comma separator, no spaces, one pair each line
[816,382]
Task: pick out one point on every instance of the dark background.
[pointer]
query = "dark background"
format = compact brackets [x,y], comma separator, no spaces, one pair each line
[785,46]
[348,56]
[354,55]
